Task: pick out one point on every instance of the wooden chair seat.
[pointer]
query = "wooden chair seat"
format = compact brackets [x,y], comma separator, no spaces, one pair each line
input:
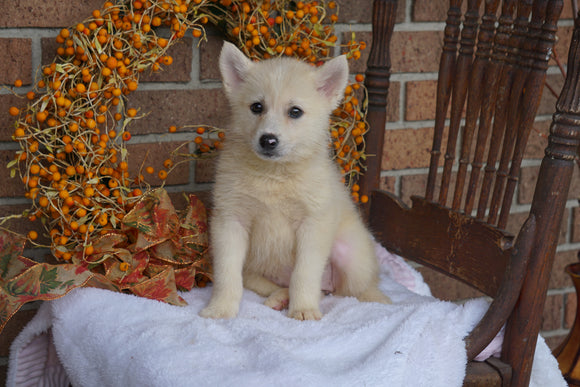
[491,76]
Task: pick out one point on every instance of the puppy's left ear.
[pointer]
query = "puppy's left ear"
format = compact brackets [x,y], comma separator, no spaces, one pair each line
[332,78]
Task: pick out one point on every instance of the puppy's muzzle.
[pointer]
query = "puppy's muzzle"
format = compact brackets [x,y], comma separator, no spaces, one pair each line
[268,144]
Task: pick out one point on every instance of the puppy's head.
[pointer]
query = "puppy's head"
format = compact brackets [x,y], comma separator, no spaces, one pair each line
[281,106]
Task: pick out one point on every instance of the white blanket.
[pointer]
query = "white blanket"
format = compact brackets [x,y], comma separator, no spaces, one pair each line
[110,339]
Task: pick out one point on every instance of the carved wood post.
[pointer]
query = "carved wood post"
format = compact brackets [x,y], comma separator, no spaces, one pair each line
[377,84]
[444,86]
[548,208]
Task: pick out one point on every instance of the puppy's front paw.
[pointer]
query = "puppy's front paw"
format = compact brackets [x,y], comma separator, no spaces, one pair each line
[278,300]
[305,314]
[218,311]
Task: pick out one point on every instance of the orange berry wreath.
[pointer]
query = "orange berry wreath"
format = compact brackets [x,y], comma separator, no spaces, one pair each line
[103,229]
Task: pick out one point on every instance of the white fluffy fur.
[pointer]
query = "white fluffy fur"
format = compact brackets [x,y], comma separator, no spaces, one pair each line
[287,214]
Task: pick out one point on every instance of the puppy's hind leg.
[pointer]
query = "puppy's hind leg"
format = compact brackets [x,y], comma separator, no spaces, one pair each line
[277,297]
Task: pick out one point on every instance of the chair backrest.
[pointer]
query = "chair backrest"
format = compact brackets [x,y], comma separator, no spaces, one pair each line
[491,76]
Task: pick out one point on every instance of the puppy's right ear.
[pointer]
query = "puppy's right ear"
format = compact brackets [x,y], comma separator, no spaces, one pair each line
[233,66]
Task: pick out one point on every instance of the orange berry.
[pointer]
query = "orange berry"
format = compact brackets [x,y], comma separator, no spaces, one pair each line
[132,85]
[89,249]
[14,111]
[18,83]
[149,170]
[103,219]
[126,136]
[32,235]
[132,112]
[123,266]
[19,132]
[172,129]
[162,174]
[43,201]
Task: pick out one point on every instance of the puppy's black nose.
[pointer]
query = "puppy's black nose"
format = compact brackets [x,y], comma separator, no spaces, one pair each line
[268,142]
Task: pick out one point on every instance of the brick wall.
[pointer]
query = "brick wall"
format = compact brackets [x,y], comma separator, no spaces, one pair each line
[189,93]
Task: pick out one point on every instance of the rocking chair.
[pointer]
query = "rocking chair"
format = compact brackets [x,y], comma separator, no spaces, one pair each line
[493,65]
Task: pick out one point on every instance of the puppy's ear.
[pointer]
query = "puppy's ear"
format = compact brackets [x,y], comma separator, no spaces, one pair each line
[233,66]
[332,78]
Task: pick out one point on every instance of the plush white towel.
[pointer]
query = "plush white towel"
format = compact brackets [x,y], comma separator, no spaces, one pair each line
[110,339]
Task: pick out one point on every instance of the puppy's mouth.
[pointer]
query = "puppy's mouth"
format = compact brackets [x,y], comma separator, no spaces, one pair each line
[268,154]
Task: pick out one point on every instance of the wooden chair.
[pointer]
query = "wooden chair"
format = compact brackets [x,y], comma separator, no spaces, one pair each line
[497,75]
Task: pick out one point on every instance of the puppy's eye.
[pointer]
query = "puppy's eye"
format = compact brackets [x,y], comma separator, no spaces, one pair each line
[257,108]
[295,112]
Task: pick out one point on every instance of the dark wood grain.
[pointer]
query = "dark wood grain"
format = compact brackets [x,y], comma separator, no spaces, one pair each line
[498,80]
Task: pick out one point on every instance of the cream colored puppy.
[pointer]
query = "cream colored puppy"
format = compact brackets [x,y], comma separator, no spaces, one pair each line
[281,212]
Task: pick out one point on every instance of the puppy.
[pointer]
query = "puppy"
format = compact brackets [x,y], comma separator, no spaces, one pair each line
[282,214]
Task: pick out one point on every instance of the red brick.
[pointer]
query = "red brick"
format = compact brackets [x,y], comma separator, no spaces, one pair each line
[411,51]
[571,310]
[552,314]
[559,279]
[180,69]
[562,45]
[205,171]
[516,221]
[538,140]
[48,47]
[417,51]
[575,237]
[13,328]
[178,107]
[412,185]
[354,11]
[393,102]
[11,187]
[417,184]
[548,100]
[388,183]
[16,60]
[7,122]
[429,10]
[361,11]
[407,148]
[154,154]
[528,178]
[49,13]
[420,100]
[567,11]
[527,184]
[209,52]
